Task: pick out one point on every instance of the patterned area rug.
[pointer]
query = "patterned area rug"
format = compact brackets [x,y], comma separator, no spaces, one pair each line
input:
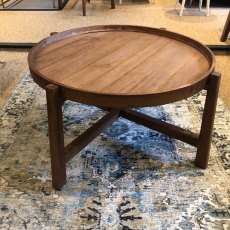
[129,177]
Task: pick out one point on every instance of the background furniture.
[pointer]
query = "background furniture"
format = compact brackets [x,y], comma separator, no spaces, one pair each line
[226,30]
[84,6]
[200,6]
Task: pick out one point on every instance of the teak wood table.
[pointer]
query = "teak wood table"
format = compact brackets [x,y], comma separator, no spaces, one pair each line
[118,68]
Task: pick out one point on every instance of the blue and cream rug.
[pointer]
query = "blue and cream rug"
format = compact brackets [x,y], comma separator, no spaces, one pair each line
[129,177]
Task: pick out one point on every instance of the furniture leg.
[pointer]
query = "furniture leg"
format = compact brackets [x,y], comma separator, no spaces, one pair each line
[204,141]
[226,30]
[59,4]
[200,4]
[182,7]
[207,7]
[113,4]
[56,137]
[84,7]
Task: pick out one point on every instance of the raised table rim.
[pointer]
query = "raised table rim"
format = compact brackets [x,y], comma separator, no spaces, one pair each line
[123,100]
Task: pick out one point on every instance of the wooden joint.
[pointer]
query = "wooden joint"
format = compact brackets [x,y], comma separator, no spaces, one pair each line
[53,88]
[214,75]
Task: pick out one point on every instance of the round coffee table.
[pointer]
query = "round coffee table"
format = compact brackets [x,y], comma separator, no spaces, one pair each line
[116,68]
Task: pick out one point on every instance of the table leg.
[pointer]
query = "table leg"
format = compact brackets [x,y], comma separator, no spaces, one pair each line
[56,136]
[204,141]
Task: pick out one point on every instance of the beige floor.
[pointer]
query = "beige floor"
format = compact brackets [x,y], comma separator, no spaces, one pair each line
[33,26]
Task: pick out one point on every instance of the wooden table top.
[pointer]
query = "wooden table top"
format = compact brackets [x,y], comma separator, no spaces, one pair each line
[124,66]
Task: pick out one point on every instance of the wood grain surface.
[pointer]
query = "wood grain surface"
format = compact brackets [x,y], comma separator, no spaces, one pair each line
[121,62]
